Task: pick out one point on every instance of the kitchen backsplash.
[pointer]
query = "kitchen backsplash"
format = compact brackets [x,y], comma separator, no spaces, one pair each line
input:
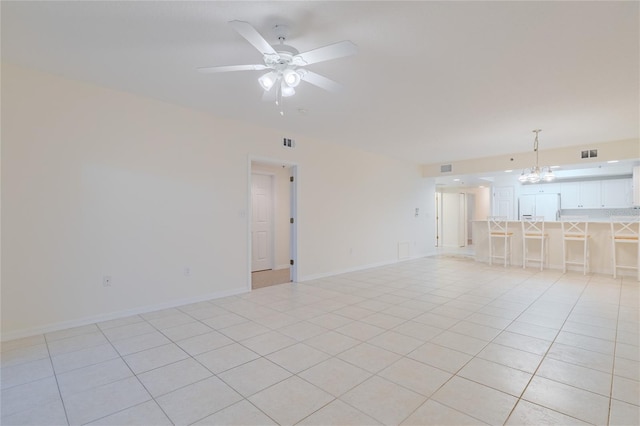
[600,214]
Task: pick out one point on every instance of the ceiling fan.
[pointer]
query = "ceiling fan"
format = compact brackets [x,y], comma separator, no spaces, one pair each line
[284,64]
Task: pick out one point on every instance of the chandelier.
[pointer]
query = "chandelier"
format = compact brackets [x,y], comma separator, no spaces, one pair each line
[536,173]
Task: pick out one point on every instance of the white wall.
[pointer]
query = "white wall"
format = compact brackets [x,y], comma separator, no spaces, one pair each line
[99,182]
[281,211]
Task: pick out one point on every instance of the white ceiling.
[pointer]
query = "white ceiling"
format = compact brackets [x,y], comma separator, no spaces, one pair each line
[432,82]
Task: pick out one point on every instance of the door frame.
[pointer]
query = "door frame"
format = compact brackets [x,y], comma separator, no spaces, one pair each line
[293,208]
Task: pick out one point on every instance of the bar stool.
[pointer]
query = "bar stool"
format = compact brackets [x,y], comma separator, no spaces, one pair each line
[533,229]
[626,230]
[498,231]
[575,228]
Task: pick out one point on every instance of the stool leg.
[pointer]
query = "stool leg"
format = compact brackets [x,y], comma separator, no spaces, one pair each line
[584,258]
[542,240]
[524,252]
[490,250]
[613,252]
[564,256]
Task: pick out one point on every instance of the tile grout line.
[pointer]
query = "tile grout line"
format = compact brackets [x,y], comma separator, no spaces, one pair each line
[55,376]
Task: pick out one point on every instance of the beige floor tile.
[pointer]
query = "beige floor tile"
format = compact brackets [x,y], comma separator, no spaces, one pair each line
[383,320]
[267,343]
[330,321]
[332,343]
[23,355]
[440,357]
[173,376]
[418,330]
[533,330]
[86,378]
[302,330]
[459,342]
[369,357]
[623,414]
[223,321]
[477,331]
[76,343]
[338,413]
[488,320]
[128,330]
[523,343]
[353,312]
[244,330]
[569,400]
[360,330]
[383,400]
[197,401]
[527,413]
[140,343]
[152,358]
[298,357]
[434,413]
[626,390]
[476,400]
[335,376]
[575,375]
[278,320]
[147,413]
[226,357]
[83,358]
[590,330]
[626,351]
[514,358]
[496,376]
[291,400]
[25,373]
[202,343]
[241,413]
[627,368]
[254,376]
[402,312]
[71,332]
[186,331]
[582,357]
[586,342]
[395,342]
[102,401]
[169,321]
[50,413]
[416,376]
[25,342]
[29,396]
[118,322]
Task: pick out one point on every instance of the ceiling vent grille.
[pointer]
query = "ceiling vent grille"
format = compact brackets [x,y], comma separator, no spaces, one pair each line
[445,168]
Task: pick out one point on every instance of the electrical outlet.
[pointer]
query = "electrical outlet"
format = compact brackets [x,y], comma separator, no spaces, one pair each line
[106,281]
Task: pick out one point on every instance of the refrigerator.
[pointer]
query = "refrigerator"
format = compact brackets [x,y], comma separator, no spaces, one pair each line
[547,205]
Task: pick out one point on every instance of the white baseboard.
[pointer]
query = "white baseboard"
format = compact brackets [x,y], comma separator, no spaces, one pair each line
[358,268]
[19,334]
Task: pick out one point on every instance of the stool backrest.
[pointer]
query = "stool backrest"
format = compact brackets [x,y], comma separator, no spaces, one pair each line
[625,227]
[575,226]
[532,225]
[497,224]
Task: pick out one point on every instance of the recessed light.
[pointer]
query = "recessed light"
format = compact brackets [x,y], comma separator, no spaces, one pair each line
[555,167]
[612,161]
[456,180]
[481,186]
[508,171]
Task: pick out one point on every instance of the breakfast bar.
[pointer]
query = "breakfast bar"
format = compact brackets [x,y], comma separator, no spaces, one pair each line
[600,248]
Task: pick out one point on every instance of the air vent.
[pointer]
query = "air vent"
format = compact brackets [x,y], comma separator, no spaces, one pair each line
[589,153]
[445,168]
[288,143]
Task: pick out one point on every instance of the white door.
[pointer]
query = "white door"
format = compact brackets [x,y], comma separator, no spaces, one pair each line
[503,201]
[454,220]
[261,222]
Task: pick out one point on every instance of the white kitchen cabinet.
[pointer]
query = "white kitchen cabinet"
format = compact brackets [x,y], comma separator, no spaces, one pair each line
[596,194]
[580,195]
[616,193]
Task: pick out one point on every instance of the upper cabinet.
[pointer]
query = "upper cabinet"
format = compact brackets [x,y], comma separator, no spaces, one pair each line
[595,194]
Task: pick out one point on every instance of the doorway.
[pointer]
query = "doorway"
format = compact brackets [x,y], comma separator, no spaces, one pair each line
[272,223]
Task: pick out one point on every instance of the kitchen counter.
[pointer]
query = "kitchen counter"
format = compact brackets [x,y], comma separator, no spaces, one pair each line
[600,248]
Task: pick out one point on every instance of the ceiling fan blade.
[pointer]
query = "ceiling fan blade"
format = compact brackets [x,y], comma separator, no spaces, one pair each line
[326,53]
[321,81]
[228,68]
[252,36]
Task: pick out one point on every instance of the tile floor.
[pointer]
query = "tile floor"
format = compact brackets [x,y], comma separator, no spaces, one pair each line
[432,341]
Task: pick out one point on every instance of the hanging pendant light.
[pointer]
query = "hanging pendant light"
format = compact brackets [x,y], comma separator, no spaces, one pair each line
[536,173]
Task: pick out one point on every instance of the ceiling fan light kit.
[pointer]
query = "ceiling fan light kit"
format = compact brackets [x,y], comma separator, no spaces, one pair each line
[536,173]
[285,62]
